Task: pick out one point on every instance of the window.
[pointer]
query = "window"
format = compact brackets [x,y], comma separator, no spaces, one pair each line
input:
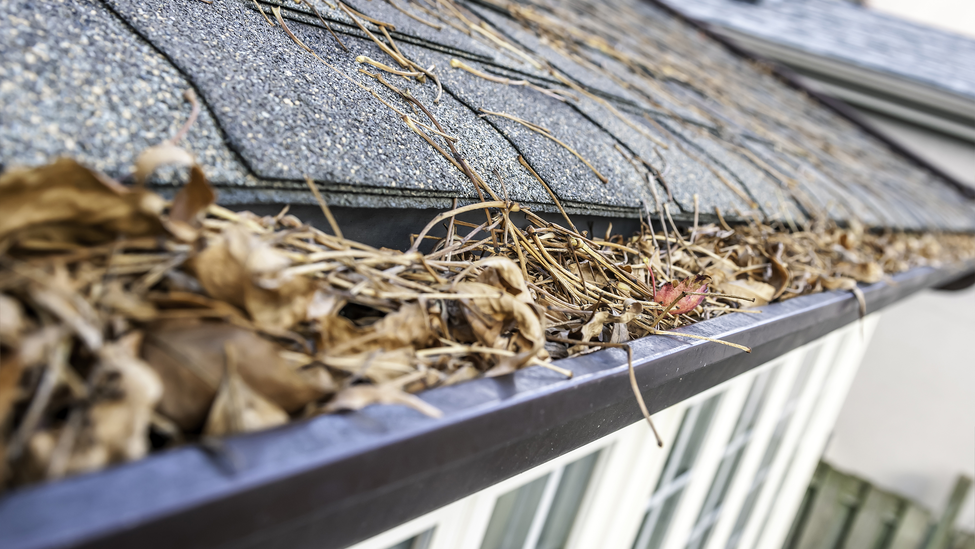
[772,450]
[818,398]
[731,459]
[421,541]
[677,473]
[540,514]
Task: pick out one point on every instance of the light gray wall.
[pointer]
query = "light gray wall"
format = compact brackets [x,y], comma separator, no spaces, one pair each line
[955,156]
[908,423]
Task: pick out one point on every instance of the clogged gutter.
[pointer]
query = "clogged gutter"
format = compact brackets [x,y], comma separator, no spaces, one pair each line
[128,324]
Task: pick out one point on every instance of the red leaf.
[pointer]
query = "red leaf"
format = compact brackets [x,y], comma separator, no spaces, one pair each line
[671,291]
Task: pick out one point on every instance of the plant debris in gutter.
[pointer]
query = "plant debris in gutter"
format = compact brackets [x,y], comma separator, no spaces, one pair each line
[129,324]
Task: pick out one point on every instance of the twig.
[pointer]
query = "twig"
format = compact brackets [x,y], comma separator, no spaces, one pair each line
[633,383]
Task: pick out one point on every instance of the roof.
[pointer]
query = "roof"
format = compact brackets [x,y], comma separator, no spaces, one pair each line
[709,123]
[851,33]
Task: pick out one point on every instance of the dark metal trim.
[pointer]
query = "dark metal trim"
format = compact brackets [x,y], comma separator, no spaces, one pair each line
[334,480]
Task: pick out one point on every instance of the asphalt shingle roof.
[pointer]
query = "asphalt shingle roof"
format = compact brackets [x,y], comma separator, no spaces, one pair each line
[847,32]
[103,80]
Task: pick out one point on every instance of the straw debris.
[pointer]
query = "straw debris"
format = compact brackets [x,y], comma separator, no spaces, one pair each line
[129,324]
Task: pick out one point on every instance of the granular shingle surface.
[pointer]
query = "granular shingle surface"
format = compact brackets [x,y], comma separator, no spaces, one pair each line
[650,104]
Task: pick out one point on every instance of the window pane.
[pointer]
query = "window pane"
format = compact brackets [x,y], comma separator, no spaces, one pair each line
[653,530]
[711,510]
[676,473]
[772,450]
[512,516]
[421,541]
[830,367]
[566,504]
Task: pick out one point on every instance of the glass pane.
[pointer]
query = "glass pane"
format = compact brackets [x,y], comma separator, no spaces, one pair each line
[810,360]
[711,510]
[512,516]
[653,529]
[421,541]
[676,473]
[772,450]
[698,428]
[565,506]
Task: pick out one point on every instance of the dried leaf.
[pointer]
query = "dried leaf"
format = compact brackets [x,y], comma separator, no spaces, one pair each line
[779,276]
[837,283]
[116,426]
[671,291]
[239,409]
[240,268]
[720,270]
[72,309]
[12,321]
[156,157]
[193,199]
[189,358]
[117,299]
[487,318]
[358,397]
[503,273]
[746,288]
[11,369]
[68,195]
[590,330]
[869,272]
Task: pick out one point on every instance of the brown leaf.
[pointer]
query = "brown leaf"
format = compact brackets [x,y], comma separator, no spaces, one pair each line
[490,317]
[122,424]
[193,199]
[837,283]
[358,397]
[165,154]
[589,273]
[779,275]
[868,273]
[240,268]
[11,369]
[375,365]
[189,357]
[631,310]
[503,273]
[594,326]
[118,299]
[67,194]
[12,321]
[761,292]
[239,409]
[116,426]
[720,270]
[72,309]
[671,291]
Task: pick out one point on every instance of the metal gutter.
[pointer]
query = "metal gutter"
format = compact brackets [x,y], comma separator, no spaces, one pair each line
[334,480]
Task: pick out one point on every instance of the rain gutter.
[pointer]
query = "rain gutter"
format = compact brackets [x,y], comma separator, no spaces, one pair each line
[331,481]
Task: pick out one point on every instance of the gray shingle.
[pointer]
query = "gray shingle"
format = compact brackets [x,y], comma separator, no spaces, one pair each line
[104,81]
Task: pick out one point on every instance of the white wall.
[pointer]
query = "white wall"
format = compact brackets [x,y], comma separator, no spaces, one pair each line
[908,424]
[955,156]
[953,15]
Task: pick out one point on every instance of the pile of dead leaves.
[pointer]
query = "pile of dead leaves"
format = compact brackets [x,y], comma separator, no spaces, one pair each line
[128,323]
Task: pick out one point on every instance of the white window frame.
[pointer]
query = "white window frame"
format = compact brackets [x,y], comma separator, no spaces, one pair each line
[630,463]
